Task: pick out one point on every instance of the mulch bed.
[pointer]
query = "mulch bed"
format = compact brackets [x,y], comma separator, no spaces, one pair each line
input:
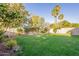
[4,51]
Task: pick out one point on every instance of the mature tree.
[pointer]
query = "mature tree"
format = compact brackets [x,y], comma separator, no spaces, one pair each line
[12,15]
[37,21]
[55,13]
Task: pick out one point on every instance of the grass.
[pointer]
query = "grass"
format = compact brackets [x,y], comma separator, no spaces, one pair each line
[48,45]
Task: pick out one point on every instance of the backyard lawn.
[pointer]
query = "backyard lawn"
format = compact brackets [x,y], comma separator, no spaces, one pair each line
[48,45]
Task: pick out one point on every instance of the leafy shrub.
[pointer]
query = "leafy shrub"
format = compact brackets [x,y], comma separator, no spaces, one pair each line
[1,35]
[55,30]
[20,30]
[10,43]
[1,38]
[45,30]
[69,32]
[1,32]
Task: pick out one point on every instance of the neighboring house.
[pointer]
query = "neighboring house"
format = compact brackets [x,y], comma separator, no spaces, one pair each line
[64,30]
[74,31]
[61,31]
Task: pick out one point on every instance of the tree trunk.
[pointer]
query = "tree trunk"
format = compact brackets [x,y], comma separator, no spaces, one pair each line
[56,25]
[56,20]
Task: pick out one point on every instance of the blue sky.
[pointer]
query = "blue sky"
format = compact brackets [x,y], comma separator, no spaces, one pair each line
[70,11]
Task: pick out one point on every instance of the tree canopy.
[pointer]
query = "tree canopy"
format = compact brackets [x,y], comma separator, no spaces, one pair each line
[12,15]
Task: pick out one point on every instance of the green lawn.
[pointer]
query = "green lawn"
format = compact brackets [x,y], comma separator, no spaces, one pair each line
[48,45]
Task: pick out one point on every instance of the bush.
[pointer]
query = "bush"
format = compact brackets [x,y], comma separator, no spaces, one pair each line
[1,32]
[1,35]
[20,30]
[55,30]
[10,43]
[26,29]
[45,30]
[1,38]
[69,32]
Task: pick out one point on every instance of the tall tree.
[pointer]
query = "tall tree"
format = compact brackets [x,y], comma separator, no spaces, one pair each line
[55,13]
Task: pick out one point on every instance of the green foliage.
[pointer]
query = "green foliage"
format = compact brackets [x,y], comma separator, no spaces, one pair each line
[65,24]
[26,30]
[54,13]
[44,30]
[12,15]
[37,21]
[20,30]
[55,27]
[1,36]
[57,15]
[75,25]
[56,10]
[10,43]
[61,17]
[1,32]
[69,32]
[55,30]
